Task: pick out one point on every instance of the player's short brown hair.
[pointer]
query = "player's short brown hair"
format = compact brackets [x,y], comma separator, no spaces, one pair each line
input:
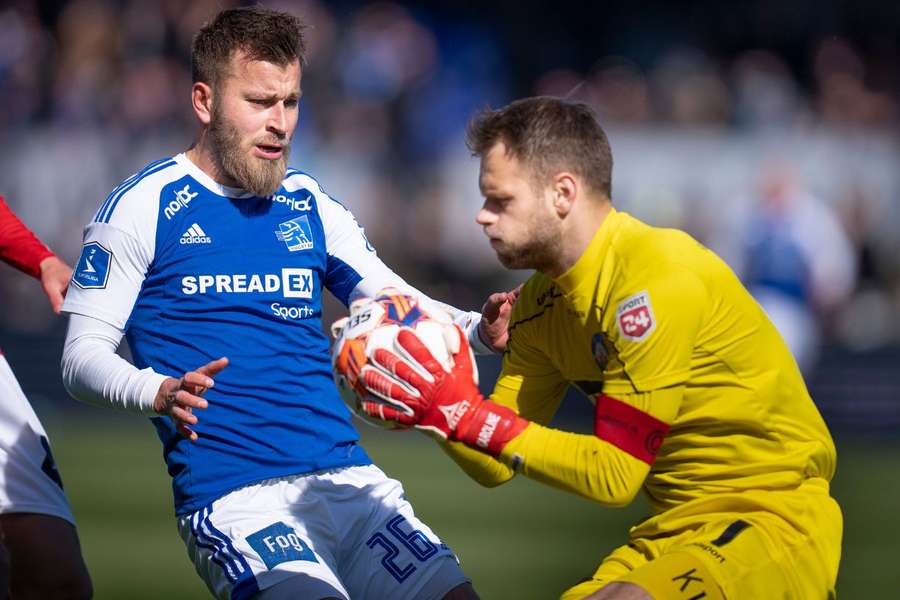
[549,135]
[261,33]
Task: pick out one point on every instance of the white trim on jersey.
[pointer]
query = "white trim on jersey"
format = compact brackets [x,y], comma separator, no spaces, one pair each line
[128,233]
[208,182]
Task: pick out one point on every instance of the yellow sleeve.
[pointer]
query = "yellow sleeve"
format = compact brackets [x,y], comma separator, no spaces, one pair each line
[654,325]
[530,385]
[483,468]
[585,464]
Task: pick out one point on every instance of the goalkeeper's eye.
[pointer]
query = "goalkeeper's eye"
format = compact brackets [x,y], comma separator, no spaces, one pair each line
[495,202]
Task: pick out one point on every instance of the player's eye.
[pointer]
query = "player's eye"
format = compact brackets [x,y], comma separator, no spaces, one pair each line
[494,203]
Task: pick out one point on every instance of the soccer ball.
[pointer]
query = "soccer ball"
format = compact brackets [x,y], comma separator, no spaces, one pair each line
[374,323]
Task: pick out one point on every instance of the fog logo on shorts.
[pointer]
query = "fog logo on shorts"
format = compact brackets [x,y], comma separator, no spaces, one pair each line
[279,543]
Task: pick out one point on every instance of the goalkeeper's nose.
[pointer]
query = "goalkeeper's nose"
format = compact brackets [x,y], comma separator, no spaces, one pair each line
[485,218]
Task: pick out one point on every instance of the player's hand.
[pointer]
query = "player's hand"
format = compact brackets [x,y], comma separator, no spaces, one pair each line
[55,276]
[428,397]
[493,327]
[178,398]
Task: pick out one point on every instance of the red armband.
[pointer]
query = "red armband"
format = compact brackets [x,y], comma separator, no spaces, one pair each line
[628,428]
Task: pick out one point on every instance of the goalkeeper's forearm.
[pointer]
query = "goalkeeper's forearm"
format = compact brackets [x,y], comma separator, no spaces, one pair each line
[608,467]
[577,463]
[581,464]
[485,469]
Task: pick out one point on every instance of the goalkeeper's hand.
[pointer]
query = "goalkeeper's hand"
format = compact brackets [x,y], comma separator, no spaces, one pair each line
[445,403]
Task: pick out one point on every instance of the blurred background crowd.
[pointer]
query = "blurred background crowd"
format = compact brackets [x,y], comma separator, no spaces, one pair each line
[768,130]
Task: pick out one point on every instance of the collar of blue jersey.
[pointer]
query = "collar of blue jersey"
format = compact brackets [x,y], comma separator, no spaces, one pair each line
[586,267]
[207,181]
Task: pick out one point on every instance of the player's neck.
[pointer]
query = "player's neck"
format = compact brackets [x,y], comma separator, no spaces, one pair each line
[582,227]
[203,156]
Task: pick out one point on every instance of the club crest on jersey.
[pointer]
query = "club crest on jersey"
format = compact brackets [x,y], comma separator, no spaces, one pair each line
[92,270]
[296,234]
[634,317]
[598,349]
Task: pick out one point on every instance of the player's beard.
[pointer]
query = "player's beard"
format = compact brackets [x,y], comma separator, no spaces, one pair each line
[259,176]
[538,251]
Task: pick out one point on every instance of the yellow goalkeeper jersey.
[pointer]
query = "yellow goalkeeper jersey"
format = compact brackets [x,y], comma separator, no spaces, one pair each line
[701,401]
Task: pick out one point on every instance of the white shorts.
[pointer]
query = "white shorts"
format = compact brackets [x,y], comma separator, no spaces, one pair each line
[29,481]
[347,533]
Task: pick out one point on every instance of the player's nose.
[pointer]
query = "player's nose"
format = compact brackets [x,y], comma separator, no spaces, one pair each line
[277,122]
[485,217]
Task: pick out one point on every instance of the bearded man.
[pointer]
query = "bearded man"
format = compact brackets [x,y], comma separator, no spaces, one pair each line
[213,263]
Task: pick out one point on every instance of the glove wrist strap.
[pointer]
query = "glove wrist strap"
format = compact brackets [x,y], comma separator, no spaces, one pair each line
[488,427]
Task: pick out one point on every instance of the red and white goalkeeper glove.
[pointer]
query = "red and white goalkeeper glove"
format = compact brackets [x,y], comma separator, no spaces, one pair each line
[443,402]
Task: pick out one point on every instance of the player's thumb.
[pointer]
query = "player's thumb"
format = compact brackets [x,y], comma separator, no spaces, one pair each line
[461,352]
[56,302]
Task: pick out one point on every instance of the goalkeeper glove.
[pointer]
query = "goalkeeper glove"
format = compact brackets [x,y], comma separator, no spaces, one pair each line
[446,403]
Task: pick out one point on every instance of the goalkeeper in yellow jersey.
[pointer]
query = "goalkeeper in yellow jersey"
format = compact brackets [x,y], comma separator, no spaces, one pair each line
[697,399]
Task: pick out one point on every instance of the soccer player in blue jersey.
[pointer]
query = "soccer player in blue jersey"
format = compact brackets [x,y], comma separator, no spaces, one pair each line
[213,263]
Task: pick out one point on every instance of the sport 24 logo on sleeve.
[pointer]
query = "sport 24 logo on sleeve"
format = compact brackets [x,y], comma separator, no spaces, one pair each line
[634,317]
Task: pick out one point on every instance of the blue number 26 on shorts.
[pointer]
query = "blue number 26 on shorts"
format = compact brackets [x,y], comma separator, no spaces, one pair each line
[345,532]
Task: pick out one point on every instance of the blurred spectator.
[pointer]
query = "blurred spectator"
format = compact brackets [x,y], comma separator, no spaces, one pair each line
[766,94]
[799,263]
[621,93]
[689,89]
[844,99]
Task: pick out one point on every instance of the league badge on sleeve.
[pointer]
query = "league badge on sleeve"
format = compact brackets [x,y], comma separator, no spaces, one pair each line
[92,270]
[634,317]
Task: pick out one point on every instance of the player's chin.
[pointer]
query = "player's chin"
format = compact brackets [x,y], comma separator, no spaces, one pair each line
[509,258]
[265,176]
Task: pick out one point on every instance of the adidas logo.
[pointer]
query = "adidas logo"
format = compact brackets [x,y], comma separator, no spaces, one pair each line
[195,235]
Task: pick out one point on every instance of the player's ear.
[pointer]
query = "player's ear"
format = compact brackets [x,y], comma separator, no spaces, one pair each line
[201,101]
[565,190]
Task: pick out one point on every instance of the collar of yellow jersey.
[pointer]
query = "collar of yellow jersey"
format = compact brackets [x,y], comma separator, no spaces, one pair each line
[586,267]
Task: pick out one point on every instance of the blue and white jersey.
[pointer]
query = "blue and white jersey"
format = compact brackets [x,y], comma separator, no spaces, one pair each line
[193,271]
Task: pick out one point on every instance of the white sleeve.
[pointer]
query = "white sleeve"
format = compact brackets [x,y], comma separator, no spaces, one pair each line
[109,274]
[354,269]
[93,373]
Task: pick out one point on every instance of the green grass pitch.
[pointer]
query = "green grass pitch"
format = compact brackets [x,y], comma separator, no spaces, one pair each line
[521,540]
